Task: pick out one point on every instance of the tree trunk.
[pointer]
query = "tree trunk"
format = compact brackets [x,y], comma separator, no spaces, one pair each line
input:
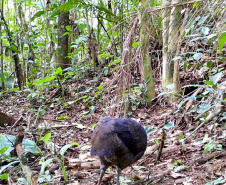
[14,48]
[144,37]
[24,26]
[62,53]
[171,34]
[166,67]
[2,71]
[174,34]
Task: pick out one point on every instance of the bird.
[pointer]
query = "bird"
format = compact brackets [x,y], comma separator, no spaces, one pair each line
[118,141]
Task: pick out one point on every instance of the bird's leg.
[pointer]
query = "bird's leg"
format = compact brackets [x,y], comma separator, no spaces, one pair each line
[118,175]
[102,172]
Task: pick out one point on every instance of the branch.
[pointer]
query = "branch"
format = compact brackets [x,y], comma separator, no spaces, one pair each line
[23,160]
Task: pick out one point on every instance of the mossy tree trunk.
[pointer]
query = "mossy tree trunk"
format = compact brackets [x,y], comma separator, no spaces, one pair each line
[144,37]
[62,52]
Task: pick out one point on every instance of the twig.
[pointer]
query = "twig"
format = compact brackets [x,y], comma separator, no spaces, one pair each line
[10,130]
[161,146]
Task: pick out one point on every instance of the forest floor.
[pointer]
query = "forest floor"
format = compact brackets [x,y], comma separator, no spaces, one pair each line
[179,163]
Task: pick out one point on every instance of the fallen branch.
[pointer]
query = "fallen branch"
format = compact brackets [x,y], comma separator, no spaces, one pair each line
[23,160]
[210,156]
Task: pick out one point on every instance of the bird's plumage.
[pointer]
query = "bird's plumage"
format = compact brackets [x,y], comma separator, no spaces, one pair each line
[118,141]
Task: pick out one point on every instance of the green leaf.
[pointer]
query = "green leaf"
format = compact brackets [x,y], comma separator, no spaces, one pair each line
[185,66]
[47,79]
[115,68]
[104,9]
[157,142]
[217,77]
[209,147]
[68,28]
[114,62]
[196,4]
[46,137]
[3,149]
[44,164]
[197,56]
[42,112]
[7,140]
[208,82]
[38,14]
[209,64]
[100,87]
[180,136]
[168,125]
[222,41]
[148,79]
[13,48]
[63,117]
[8,165]
[4,176]
[135,44]
[64,148]
[58,71]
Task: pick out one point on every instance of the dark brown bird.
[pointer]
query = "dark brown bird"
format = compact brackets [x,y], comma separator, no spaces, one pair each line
[118,141]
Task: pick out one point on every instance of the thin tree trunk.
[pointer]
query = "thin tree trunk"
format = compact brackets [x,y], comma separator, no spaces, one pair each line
[144,37]
[176,74]
[174,33]
[62,53]
[166,77]
[2,71]
[24,26]
[18,69]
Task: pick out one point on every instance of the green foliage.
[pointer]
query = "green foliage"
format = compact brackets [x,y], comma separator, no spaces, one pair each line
[4,176]
[64,148]
[44,164]
[38,14]
[209,147]
[46,138]
[222,41]
[63,117]
[47,79]
[6,166]
[135,44]
[7,140]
